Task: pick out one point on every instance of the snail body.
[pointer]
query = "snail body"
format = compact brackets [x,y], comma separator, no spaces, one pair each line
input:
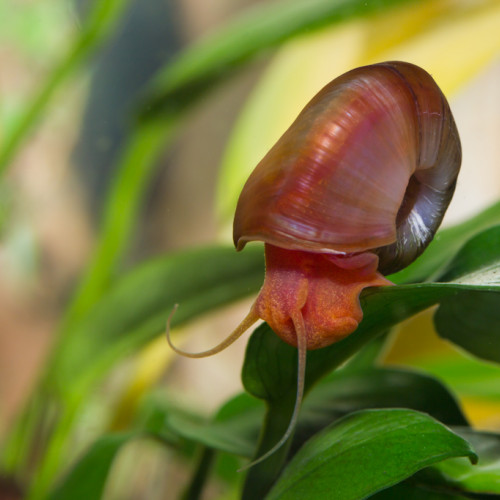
[354,190]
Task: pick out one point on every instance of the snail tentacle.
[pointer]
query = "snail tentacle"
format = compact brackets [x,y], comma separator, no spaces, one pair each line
[300,329]
[247,322]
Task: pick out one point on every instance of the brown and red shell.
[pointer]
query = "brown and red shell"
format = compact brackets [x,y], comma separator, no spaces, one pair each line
[370,164]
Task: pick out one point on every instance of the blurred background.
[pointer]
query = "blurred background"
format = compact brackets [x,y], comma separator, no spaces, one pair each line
[53,194]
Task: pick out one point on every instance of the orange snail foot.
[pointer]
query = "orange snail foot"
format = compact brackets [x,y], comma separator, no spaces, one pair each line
[310,300]
[323,288]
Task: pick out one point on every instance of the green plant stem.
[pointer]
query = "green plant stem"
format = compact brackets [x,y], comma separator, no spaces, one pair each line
[195,487]
[50,465]
[262,476]
[102,20]
[25,444]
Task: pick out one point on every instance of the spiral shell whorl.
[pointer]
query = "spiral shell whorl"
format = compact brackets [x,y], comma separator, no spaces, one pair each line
[370,164]
[431,187]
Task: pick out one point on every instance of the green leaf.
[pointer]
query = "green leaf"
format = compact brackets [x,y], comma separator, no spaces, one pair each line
[472,320]
[409,491]
[345,391]
[137,308]
[459,475]
[88,477]
[236,427]
[466,375]
[270,366]
[368,355]
[445,245]
[478,257]
[367,452]
[215,58]
[237,435]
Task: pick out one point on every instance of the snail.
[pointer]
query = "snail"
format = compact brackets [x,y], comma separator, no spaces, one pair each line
[354,190]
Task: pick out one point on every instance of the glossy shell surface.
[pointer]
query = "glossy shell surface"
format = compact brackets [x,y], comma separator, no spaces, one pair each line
[370,164]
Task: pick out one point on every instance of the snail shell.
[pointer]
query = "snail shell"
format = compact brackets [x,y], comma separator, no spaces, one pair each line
[370,164]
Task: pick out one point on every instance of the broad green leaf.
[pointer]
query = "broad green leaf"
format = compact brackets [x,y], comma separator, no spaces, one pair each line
[88,477]
[368,356]
[344,391]
[215,58]
[478,256]
[472,320]
[445,245]
[409,491]
[236,427]
[367,452]
[270,366]
[467,376]
[137,308]
[237,435]
[459,474]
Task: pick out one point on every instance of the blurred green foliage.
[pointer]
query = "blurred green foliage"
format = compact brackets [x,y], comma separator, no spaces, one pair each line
[113,315]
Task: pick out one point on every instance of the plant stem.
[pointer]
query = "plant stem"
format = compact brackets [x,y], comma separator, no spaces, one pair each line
[50,465]
[262,476]
[195,487]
